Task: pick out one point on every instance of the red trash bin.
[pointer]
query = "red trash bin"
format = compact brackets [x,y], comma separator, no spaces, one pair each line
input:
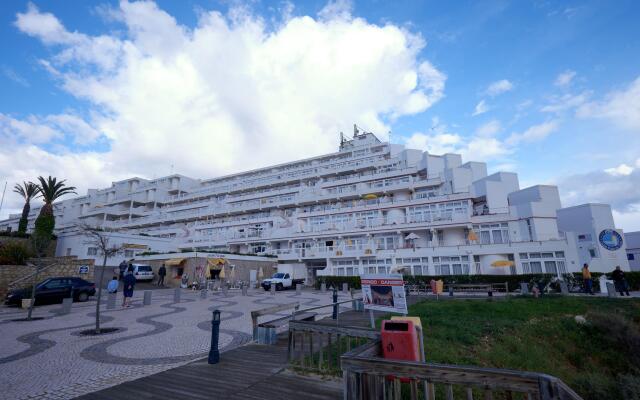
[400,340]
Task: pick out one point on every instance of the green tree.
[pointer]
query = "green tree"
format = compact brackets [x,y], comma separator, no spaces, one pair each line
[28,191]
[51,189]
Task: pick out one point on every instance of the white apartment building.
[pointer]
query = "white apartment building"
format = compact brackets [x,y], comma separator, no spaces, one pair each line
[370,207]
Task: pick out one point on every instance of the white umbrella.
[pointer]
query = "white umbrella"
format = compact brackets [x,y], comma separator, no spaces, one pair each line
[412,236]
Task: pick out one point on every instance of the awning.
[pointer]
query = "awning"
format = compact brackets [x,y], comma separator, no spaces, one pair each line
[216,263]
[174,261]
[370,196]
[502,263]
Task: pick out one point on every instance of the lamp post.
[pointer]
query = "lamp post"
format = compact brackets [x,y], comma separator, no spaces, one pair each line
[214,354]
[335,303]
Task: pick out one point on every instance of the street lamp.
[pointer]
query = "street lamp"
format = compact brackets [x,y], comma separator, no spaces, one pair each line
[214,354]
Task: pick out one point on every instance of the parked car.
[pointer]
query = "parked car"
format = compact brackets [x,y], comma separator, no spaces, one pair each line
[53,290]
[281,281]
[142,272]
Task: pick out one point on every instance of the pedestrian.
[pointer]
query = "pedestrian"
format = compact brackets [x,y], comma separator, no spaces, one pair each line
[619,280]
[129,285]
[122,267]
[162,272]
[112,287]
[586,279]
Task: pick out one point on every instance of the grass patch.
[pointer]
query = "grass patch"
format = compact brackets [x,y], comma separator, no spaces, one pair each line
[599,360]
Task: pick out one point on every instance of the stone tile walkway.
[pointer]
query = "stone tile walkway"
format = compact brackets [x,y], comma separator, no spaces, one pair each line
[48,359]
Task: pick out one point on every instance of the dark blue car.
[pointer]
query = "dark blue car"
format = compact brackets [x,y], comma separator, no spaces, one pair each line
[53,290]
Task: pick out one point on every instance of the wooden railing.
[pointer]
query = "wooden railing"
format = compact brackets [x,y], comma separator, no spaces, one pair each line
[317,347]
[368,376]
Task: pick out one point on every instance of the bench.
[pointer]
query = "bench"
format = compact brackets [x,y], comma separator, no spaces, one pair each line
[488,288]
[266,332]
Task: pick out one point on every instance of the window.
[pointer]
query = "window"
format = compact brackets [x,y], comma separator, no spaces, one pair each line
[550,267]
[536,267]
[128,254]
[592,253]
[68,251]
[525,268]
[524,256]
[497,236]
[92,251]
[631,257]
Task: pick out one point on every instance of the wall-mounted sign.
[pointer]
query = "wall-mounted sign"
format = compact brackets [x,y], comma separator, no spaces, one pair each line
[610,239]
[384,293]
[83,269]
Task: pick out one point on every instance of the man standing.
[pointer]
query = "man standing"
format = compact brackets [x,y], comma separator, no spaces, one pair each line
[129,284]
[586,278]
[620,282]
[162,272]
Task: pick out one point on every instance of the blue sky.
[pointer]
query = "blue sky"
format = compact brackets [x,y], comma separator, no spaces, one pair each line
[104,90]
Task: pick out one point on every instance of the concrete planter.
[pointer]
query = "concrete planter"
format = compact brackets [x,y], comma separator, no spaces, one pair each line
[26,303]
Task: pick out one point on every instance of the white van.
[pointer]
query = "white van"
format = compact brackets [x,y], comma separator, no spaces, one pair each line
[143,272]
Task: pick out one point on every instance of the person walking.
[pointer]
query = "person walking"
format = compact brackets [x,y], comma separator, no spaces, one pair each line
[620,282]
[129,285]
[122,267]
[112,287]
[162,272]
[586,278]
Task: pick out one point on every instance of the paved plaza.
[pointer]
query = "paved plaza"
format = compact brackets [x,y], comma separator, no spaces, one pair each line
[48,358]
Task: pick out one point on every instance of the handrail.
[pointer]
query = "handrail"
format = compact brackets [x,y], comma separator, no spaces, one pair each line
[366,373]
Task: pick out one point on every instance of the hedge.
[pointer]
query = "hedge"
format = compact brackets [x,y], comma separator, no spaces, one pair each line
[513,281]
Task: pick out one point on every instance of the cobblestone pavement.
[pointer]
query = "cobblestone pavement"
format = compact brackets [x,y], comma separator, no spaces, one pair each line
[48,358]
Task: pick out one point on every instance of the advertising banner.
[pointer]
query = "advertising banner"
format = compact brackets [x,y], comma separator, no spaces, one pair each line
[384,293]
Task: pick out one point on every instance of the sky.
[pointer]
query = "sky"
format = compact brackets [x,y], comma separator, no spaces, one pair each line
[106,90]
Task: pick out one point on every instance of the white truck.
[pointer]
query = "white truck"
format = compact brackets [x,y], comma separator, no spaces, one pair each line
[288,276]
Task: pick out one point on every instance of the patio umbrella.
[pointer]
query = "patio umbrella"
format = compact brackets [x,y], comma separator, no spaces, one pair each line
[412,236]
[260,274]
[232,275]
[222,274]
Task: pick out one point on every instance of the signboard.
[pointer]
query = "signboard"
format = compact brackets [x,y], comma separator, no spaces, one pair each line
[83,269]
[610,239]
[384,293]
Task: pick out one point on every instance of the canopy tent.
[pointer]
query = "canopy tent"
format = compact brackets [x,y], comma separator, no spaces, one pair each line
[222,274]
[216,263]
[260,274]
[174,262]
[502,263]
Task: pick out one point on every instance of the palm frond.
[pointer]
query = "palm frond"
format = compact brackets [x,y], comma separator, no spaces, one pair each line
[51,189]
[28,190]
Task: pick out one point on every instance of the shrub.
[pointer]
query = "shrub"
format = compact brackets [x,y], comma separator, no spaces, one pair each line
[14,253]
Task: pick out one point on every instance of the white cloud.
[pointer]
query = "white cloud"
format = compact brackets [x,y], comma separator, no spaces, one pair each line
[620,170]
[566,102]
[481,108]
[622,107]
[565,78]
[228,95]
[489,129]
[533,134]
[499,87]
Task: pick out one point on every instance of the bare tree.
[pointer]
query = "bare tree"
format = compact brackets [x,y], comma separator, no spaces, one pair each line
[99,238]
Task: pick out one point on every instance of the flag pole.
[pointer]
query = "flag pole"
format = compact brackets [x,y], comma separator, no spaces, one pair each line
[3,192]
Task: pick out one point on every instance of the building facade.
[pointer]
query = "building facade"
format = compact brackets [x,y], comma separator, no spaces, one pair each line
[633,250]
[370,207]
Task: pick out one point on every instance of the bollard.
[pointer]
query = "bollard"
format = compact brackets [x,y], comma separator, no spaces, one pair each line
[146,301]
[203,294]
[611,290]
[451,291]
[214,354]
[335,304]
[245,288]
[66,305]
[273,290]
[176,295]
[524,288]
[224,289]
[111,301]
[345,287]
[564,289]
[298,289]
[323,287]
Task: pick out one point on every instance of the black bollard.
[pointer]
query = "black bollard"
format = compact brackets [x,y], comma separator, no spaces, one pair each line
[214,354]
[335,303]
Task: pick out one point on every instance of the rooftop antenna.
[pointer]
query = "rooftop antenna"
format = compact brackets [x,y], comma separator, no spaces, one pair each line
[355,130]
[3,192]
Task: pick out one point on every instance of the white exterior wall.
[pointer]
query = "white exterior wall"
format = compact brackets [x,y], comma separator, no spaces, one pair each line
[346,211]
[632,240]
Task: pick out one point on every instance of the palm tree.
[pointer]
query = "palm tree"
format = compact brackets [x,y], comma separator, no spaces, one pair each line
[28,191]
[51,189]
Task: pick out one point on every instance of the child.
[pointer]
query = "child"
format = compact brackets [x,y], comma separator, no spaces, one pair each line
[112,287]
